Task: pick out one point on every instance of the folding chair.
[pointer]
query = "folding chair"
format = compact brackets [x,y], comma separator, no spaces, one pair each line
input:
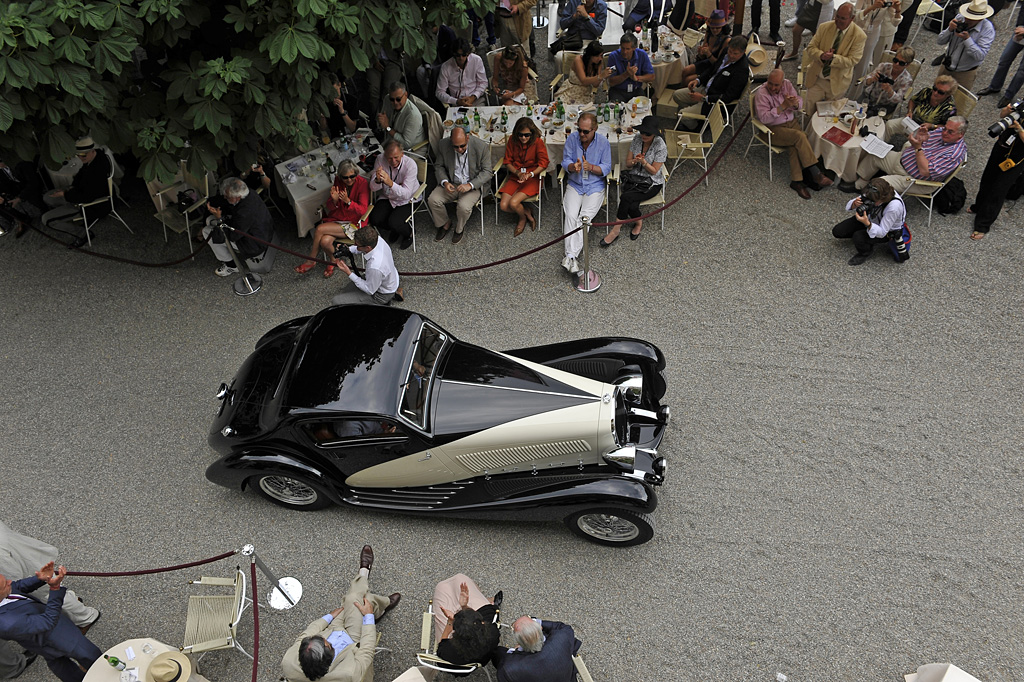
[417,203]
[212,621]
[193,214]
[924,10]
[531,76]
[567,59]
[657,200]
[965,101]
[612,177]
[925,190]
[687,146]
[109,198]
[538,199]
[427,655]
[761,134]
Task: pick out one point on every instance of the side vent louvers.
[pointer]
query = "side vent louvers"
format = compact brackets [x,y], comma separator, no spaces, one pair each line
[491,460]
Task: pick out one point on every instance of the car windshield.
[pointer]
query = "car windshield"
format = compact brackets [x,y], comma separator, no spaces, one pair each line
[422,365]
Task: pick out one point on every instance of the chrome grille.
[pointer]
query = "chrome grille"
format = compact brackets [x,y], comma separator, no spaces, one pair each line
[428,497]
[491,460]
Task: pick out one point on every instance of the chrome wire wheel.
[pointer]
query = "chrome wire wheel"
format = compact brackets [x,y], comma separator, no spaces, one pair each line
[611,526]
[289,492]
[608,527]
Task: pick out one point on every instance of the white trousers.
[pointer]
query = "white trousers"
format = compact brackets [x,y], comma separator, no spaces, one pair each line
[576,206]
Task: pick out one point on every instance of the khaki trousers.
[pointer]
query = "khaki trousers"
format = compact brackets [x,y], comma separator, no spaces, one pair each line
[801,155]
[964,78]
[465,203]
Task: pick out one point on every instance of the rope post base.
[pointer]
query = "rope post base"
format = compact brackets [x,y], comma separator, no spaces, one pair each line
[586,280]
[540,21]
[249,283]
[286,592]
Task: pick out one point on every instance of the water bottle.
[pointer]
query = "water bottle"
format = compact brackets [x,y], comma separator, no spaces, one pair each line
[115,662]
[584,173]
[504,118]
[476,120]
[606,114]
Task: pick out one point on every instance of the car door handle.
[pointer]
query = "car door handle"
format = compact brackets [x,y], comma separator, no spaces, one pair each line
[425,458]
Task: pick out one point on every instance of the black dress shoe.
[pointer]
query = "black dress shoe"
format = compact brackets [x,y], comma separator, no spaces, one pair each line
[458,237]
[857,259]
[634,236]
[442,232]
[938,60]
[986,91]
[848,187]
[406,243]
[1003,101]
[81,241]
[604,245]
[366,558]
[20,230]
[30,658]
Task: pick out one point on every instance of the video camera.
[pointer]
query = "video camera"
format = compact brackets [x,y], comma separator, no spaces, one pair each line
[1003,124]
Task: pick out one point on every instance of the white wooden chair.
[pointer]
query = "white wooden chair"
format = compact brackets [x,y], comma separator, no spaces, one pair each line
[168,213]
[418,204]
[657,200]
[925,190]
[111,193]
[427,655]
[761,134]
[691,146]
[537,199]
[212,620]
[965,101]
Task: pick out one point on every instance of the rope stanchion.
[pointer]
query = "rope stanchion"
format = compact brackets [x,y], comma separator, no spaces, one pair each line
[147,571]
[255,620]
[129,261]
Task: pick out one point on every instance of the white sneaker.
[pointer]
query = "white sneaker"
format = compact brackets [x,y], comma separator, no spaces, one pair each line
[791,22]
[225,271]
[574,266]
[567,263]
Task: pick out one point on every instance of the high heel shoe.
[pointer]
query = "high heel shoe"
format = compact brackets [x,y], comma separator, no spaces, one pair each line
[305,267]
[533,221]
[328,271]
[498,598]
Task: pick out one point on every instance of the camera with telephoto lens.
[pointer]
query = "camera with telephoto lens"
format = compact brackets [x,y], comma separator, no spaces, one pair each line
[1003,124]
[866,205]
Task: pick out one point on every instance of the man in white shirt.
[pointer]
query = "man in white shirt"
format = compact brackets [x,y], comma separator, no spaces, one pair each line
[463,173]
[380,279]
[462,80]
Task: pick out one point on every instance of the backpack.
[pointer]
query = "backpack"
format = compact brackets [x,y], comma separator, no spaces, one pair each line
[951,198]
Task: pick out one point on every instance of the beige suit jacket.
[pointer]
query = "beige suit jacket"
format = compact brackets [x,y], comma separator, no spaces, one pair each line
[851,49]
[480,174]
[355,662]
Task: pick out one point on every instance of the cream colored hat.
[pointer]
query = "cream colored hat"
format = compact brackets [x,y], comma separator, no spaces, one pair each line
[170,666]
[756,54]
[86,144]
[976,10]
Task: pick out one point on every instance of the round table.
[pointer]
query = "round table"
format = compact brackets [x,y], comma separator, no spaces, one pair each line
[101,671]
[842,160]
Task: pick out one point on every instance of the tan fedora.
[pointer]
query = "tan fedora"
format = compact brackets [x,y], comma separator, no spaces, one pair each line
[976,10]
[86,144]
[170,666]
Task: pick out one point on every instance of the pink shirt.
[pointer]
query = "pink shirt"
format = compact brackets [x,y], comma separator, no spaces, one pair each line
[403,177]
[767,104]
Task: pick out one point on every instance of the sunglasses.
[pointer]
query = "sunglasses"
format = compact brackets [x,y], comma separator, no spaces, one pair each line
[942,92]
[82,155]
[584,131]
[459,146]
[349,177]
[397,99]
[525,134]
[896,60]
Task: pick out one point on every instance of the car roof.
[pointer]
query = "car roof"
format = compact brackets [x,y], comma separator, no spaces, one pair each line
[351,359]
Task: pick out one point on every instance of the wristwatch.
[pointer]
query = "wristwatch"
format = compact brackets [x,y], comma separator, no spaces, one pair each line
[389,129]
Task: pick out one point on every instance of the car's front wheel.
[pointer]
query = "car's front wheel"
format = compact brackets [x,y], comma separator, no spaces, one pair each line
[291,492]
[610,526]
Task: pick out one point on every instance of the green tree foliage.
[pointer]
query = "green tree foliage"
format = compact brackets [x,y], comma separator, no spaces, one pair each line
[190,79]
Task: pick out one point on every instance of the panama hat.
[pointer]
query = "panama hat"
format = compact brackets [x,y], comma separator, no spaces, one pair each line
[975,10]
[85,145]
[170,666]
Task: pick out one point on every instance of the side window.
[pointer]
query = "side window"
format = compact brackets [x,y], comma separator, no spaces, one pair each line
[421,374]
[346,430]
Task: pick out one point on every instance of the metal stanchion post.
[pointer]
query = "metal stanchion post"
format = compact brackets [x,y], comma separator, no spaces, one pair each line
[287,591]
[249,283]
[540,21]
[586,280]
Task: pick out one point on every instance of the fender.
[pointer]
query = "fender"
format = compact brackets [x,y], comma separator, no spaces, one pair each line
[625,349]
[285,328]
[232,471]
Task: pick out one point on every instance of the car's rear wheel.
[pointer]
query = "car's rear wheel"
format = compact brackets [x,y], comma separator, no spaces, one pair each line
[291,492]
[610,526]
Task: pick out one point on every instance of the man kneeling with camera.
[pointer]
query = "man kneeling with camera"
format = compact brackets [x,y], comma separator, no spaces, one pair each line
[879,216]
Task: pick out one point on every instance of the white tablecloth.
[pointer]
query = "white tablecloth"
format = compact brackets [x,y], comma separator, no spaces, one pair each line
[101,671]
[307,200]
[842,160]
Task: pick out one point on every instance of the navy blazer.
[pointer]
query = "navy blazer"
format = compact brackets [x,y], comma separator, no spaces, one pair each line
[553,663]
[38,627]
[728,85]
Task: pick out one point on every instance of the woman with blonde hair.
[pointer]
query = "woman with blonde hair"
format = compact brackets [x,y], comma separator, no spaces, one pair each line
[526,156]
[350,197]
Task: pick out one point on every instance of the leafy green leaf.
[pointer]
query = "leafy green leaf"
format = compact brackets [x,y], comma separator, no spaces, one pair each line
[6,115]
[70,47]
[72,79]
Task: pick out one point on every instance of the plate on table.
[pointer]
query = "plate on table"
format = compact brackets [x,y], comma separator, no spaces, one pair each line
[571,116]
[449,124]
[642,103]
[515,110]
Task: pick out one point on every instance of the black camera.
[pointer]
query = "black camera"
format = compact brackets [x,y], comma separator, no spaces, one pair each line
[947,61]
[1003,124]
[866,205]
[886,79]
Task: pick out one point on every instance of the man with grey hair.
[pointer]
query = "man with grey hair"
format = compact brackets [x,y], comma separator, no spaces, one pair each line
[932,153]
[543,653]
[339,647]
[633,69]
[247,213]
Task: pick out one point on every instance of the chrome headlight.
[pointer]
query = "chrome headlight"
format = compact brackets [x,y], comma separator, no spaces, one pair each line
[632,387]
[624,458]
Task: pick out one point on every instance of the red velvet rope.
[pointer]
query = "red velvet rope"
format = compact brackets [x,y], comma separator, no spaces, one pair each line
[255,622]
[147,571]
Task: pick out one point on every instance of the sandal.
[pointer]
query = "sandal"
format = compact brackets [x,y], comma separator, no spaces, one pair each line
[305,267]
[328,271]
[978,235]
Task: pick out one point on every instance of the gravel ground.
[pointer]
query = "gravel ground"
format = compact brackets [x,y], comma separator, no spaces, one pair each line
[844,491]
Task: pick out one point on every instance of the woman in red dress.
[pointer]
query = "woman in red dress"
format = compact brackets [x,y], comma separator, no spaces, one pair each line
[350,197]
[526,156]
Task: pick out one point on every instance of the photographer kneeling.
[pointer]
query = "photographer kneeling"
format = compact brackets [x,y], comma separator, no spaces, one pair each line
[878,216]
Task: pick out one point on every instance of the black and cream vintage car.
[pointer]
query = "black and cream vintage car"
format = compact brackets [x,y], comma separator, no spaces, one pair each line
[380,408]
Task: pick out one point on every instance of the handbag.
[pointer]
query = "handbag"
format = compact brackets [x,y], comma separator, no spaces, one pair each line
[637,183]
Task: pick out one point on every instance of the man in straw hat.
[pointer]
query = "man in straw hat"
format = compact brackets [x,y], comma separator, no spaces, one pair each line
[967,39]
[89,184]
[172,666]
[834,50]
[339,647]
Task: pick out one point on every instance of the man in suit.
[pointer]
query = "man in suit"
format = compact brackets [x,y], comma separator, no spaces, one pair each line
[339,646]
[722,80]
[88,185]
[463,174]
[831,57]
[19,555]
[41,628]
[543,653]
